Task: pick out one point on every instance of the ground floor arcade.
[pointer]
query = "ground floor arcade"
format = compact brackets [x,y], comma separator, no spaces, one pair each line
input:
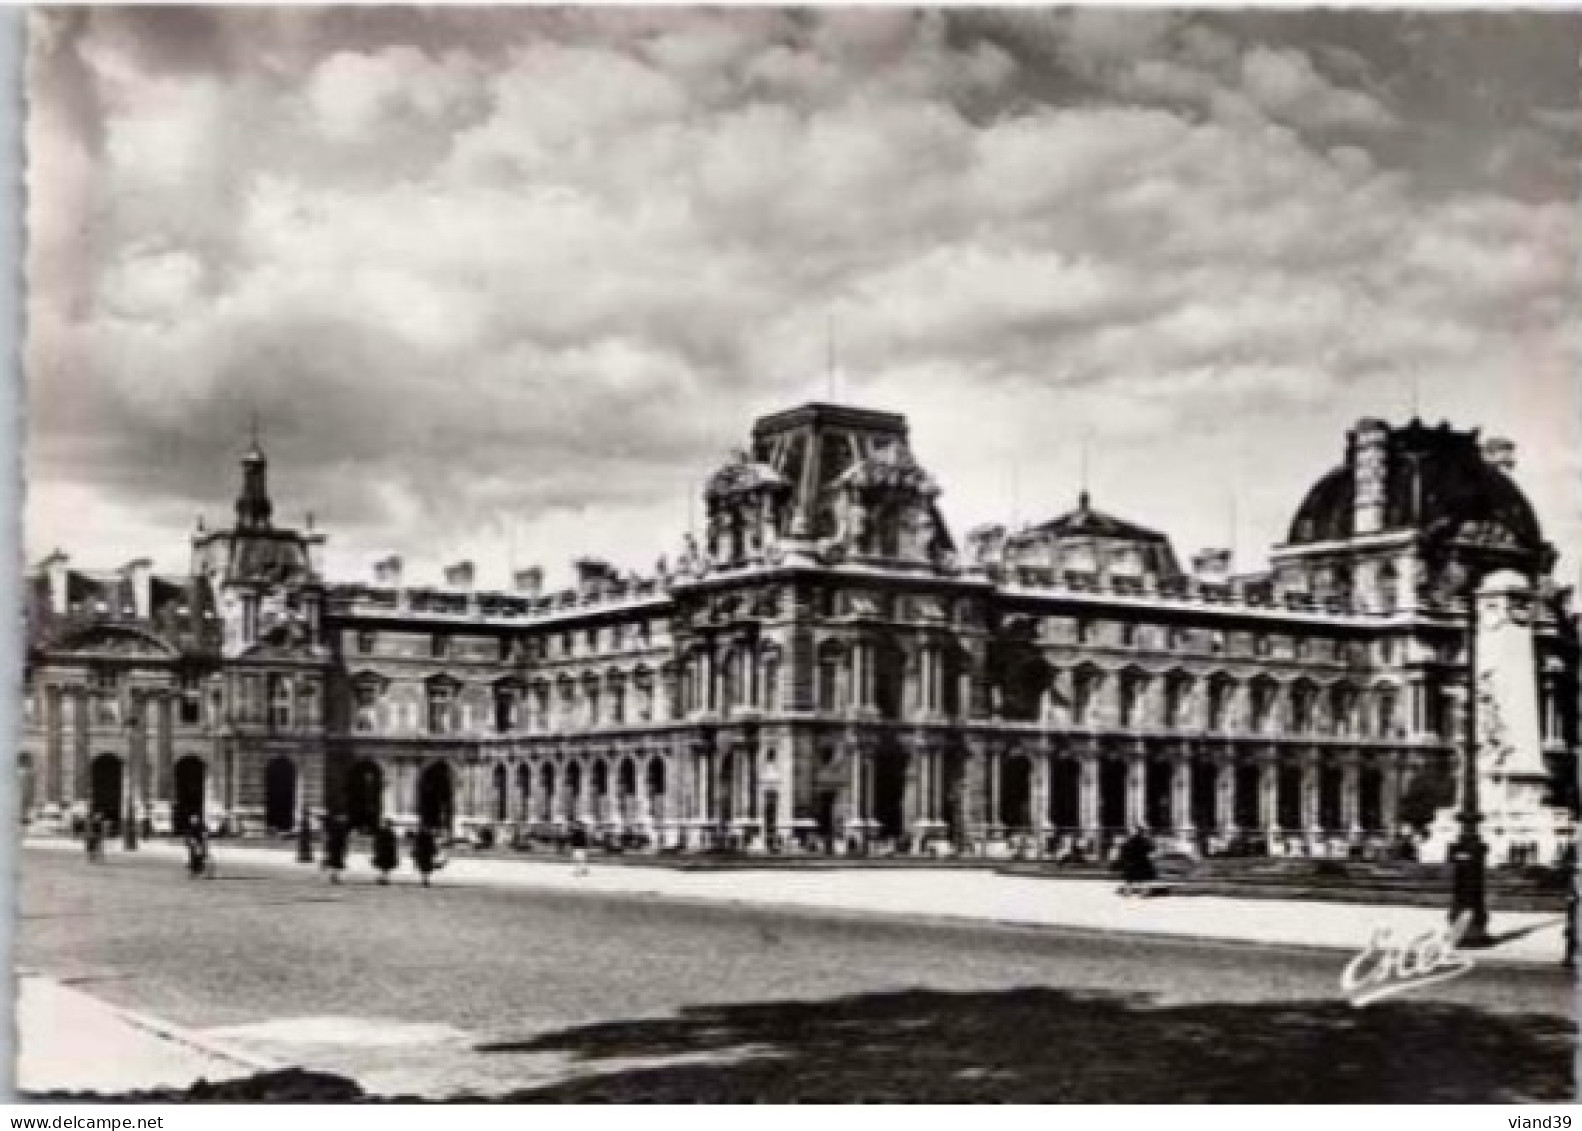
[838,791]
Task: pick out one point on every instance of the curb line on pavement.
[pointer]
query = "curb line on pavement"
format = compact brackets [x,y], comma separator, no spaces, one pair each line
[169,1031]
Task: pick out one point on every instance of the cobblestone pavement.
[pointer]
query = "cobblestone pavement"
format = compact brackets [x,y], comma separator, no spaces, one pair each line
[488,987]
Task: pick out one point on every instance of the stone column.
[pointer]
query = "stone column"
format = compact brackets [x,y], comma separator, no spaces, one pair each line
[1351,795]
[1136,790]
[1088,796]
[1041,776]
[54,776]
[1268,794]
[1389,795]
[1225,796]
[163,789]
[1311,822]
[81,782]
[994,759]
[1181,793]
[136,784]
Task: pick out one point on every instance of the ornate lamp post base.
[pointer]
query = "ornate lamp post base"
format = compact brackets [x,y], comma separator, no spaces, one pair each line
[1468,900]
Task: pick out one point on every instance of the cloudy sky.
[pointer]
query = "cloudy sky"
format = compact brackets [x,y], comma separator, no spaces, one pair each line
[507,284]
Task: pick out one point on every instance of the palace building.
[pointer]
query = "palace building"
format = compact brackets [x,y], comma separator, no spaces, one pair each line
[830,669]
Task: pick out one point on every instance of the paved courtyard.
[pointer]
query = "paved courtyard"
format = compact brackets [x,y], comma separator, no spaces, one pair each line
[566,990]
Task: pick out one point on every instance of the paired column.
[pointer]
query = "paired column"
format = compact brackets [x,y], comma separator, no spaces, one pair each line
[1225,795]
[1351,795]
[1088,792]
[54,783]
[1181,792]
[1311,821]
[1136,790]
[81,785]
[1041,776]
[1268,794]
[1389,794]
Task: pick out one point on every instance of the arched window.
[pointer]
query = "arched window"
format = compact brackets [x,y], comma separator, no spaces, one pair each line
[1220,689]
[1134,686]
[1085,685]
[1302,707]
[1263,696]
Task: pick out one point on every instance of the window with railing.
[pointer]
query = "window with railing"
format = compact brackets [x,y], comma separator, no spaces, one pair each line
[279,702]
[441,708]
[367,707]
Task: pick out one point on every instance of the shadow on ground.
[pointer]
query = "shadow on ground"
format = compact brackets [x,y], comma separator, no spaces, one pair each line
[1039,1045]
[1030,1045]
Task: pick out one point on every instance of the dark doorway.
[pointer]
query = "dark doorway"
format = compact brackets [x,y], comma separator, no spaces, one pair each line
[280,795]
[1205,788]
[436,797]
[1330,786]
[824,814]
[1065,794]
[1112,794]
[1371,799]
[191,786]
[1249,807]
[1016,793]
[889,789]
[1158,787]
[105,794]
[365,796]
[502,794]
[1289,801]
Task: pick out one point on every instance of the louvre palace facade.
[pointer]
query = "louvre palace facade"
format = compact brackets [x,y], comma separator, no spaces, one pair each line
[827,668]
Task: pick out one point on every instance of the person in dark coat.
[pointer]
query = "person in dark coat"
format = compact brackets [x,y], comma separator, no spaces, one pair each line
[1137,863]
[197,841]
[425,853]
[336,835]
[387,852]
[93,838]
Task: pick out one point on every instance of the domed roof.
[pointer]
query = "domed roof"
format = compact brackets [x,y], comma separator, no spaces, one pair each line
[1436,480]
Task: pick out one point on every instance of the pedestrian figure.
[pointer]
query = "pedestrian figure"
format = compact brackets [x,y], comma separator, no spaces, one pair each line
[335,838]
[93,838]
[425,853]
[1137,863]
[197,841]
[579,850]
[387,853]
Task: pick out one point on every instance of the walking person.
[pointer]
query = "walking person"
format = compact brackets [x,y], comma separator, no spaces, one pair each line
[387,852]
[93,838]
[1137,863]
[425,853]
[336,835]
[197,841]
[579,849]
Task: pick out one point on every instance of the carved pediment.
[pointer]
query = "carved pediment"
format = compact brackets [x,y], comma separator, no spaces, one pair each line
[117,640]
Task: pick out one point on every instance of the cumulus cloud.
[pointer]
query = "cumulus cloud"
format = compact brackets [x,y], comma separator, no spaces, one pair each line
[508,283]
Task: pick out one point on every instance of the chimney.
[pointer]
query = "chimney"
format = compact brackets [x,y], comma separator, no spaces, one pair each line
[55,569]
[388,571]
[1500,454]
[139,573]
[592,572]
[1370,459]
[529,582]
[459,576]
[1211,565]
